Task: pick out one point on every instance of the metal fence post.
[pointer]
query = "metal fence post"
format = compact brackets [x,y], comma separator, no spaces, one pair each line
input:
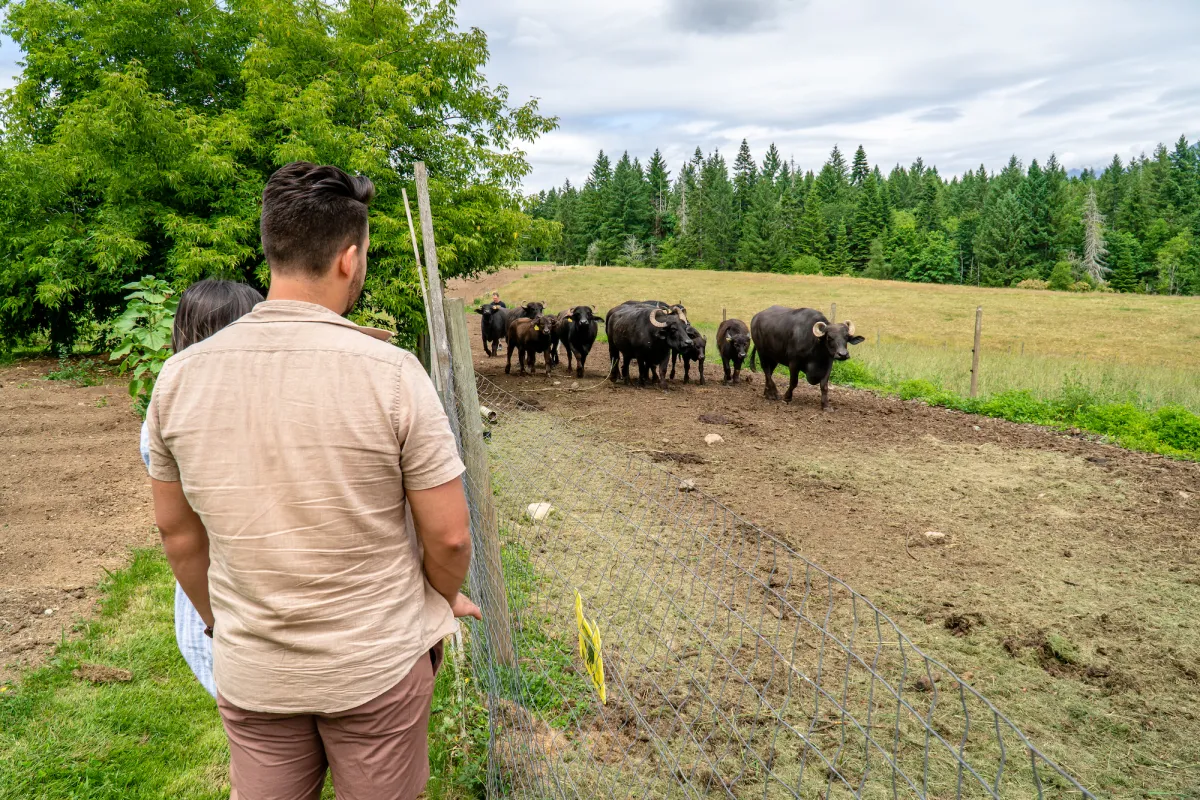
[487,574]
[975,351]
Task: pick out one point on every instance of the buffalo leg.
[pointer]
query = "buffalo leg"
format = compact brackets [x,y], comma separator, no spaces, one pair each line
[673,357]
[567,347]
[614,364]
[580,360]
[700,369]
[725,364]
[625,363]
[662,373]
[825,394]
[737,369]
[508,366]
[793,379]
[548,361]
[769,391]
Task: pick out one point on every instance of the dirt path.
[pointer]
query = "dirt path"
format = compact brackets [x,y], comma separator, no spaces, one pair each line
[1046,536]
[479,287]
[73,500]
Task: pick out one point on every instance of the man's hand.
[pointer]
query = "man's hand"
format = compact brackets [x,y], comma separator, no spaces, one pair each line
[463,607]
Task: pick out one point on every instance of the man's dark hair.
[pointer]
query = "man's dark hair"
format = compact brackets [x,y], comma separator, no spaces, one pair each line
[311,212]
[208,306]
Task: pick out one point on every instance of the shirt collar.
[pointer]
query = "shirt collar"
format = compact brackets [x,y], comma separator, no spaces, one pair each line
[300,311]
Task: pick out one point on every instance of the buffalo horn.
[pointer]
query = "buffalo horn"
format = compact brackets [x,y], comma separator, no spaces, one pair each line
[819,329]
[849,328]
[654,319]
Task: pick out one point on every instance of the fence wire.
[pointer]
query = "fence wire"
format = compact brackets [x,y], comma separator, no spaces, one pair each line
[734,667]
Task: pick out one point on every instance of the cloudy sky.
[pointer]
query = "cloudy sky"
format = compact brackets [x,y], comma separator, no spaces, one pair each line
[959,82]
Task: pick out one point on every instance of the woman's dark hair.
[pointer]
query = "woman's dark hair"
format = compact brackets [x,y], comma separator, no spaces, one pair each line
[208,306]
[309,214]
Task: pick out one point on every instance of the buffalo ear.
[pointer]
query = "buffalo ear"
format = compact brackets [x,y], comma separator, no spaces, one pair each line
[479,310]
[598,317]
[856,339]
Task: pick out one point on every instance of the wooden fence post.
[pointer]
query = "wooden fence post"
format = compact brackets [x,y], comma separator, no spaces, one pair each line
[833,312]
[975,351]
[722,313]
[440,346]
[428,357]
[487,575]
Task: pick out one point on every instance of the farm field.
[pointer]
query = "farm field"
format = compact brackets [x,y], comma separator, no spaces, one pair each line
[1120,347]
[1069,587]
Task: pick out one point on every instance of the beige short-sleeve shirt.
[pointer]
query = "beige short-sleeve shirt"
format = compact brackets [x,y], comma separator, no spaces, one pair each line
[295,435]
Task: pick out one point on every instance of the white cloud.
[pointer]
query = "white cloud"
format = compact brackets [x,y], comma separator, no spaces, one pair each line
[958,84]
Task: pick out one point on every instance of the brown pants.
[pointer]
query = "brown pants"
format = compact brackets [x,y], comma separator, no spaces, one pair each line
[377,751]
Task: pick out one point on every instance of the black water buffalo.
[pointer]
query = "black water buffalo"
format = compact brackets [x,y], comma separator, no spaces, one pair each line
[803,340]
[523,311]
[645,333]
[695,351]
[530,337]
[493,326]
[733,342]
[576,330]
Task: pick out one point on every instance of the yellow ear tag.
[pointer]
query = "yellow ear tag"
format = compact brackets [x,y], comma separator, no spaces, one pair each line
[536,328]
[589,649]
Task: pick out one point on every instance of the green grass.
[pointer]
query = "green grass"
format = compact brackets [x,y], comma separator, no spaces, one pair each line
[159,735]
[1170,430]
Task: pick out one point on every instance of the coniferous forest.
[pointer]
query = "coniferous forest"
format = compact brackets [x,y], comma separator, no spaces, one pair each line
[1135,227]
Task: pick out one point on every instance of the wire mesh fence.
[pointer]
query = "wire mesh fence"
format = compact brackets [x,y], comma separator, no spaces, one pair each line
[732,666]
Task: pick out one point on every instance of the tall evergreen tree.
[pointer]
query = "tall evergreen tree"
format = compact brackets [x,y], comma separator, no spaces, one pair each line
[1001,244]
[868,223]
[773,166]
[861,168]
[658,184]
[745,173]
[718,216]
[812,238]
[763,247]
[1034,194]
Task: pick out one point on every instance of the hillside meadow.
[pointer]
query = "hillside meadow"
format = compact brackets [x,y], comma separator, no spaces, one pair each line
[1139,349]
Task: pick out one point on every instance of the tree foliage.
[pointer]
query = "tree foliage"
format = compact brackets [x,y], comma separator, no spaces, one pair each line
[141,132]
[991,229]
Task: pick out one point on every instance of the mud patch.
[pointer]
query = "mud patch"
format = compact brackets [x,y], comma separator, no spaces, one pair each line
[98,673]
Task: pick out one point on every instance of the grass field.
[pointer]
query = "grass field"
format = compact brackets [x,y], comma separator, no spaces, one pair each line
[1122,348]
[153,732]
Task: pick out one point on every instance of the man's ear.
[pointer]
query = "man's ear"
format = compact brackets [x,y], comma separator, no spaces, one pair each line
[347,263]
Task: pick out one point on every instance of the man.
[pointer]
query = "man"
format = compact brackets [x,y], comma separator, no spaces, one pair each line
[496,301]
[286,453]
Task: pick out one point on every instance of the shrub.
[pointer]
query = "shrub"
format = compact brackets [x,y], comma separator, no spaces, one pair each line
[917,389]
[1081,286]
[853,373]
[1062,277]
[1177,427]
[1018,406]
[142,335]
[806,265]
[1033,283]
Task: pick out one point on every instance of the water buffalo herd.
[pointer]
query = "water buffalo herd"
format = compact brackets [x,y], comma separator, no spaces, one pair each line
[651,333]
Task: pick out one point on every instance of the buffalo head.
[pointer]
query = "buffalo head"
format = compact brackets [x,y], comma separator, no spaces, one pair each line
[740,342]
[582,315]
[672,328]
[836,336]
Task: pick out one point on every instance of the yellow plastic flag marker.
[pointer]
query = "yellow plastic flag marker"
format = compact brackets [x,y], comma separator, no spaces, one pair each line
[589,649]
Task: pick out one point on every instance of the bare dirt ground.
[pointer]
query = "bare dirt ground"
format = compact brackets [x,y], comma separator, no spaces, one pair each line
[73,501]
[470,288]
[1067,586]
